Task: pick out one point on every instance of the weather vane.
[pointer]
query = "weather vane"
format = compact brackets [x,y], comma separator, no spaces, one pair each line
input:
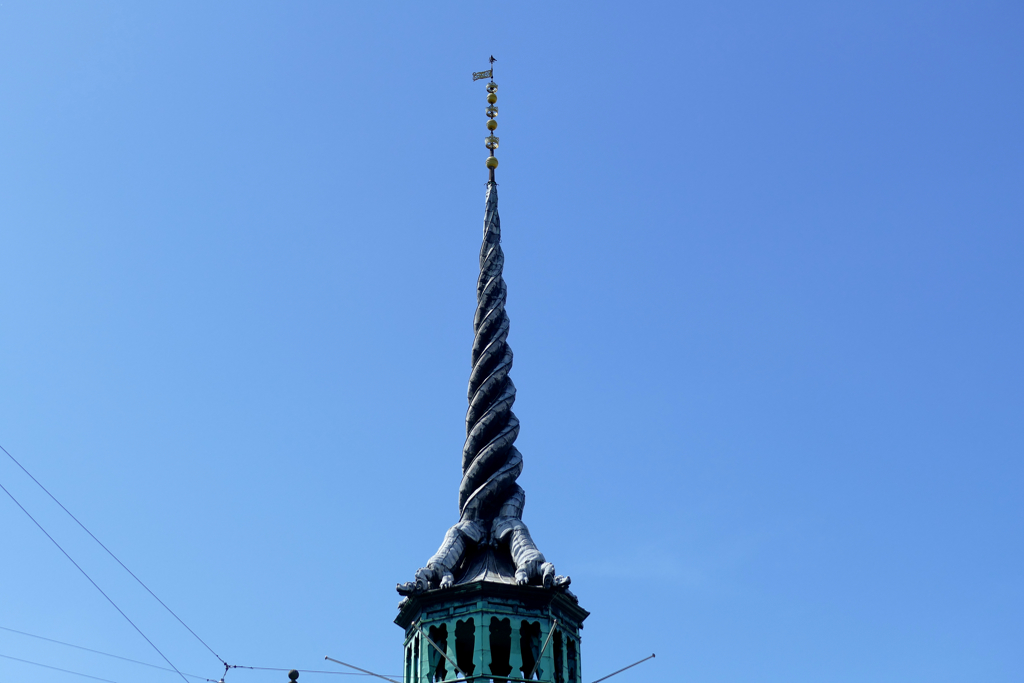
[491,141]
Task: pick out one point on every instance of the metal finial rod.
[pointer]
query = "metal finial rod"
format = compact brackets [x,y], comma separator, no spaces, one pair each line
[623,669]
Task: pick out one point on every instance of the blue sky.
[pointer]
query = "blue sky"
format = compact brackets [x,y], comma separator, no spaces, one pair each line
[765,284]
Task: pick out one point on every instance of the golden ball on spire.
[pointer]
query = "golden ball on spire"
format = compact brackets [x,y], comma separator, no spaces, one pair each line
[492,98]
[492,124]
[492,162]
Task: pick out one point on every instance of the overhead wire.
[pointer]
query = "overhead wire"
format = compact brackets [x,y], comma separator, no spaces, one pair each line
[116,559]
[173,668]
[107,680]
[100,652]
[301,671]
[95,585]
[57,668]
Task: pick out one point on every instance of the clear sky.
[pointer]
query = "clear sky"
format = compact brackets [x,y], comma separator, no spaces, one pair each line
[765,282]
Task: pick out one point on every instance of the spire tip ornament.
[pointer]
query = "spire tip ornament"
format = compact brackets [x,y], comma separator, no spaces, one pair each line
[491,141]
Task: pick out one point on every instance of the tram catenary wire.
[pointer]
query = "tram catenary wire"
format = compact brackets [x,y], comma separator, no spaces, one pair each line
[141,583]
[163,668]
[100,652]
[57,668]
[95,585]
[123,566]
[304,671]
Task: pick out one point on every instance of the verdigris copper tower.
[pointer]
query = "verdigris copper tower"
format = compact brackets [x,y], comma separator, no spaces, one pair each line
[488,605]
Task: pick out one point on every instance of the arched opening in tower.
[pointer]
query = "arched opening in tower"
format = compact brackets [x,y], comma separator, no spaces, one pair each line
[438,634]
[573,664]
[529,645]
[500,633]
[559,656]
[465,640]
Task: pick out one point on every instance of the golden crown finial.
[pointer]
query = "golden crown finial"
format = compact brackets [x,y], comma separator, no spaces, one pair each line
[491,141]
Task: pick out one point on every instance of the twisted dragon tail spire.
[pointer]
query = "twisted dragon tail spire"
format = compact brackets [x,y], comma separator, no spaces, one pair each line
[490,462]
[491,503]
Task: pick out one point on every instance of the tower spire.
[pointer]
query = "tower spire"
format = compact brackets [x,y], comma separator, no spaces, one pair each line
[487,605]
[490,542]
